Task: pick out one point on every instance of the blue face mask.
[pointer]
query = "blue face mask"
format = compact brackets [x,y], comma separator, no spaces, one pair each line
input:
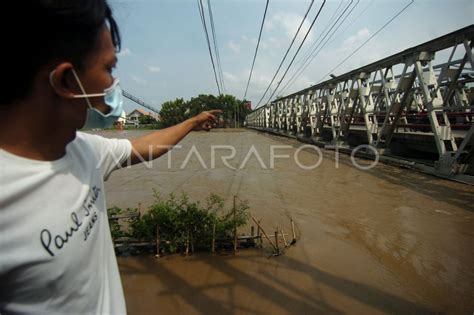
[112,97]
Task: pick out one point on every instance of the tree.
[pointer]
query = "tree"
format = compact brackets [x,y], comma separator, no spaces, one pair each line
[146,120]
[173,112]
[234,110]
[203,102]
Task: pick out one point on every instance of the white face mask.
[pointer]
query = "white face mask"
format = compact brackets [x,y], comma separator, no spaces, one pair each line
[112,97]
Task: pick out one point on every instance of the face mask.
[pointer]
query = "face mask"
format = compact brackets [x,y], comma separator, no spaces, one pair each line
[112,97]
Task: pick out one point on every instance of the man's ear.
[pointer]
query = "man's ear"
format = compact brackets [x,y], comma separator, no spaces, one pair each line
[63,81]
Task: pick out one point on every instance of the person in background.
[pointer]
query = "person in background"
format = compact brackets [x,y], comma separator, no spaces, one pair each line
[121,121]
[56,253]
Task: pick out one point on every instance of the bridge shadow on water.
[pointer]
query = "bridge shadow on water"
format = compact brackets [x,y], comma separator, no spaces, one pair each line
[259,289]
[443,190]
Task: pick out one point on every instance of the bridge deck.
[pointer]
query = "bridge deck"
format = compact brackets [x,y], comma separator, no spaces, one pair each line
[386,240]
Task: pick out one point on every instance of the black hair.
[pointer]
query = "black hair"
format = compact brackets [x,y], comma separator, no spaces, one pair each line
[37,32]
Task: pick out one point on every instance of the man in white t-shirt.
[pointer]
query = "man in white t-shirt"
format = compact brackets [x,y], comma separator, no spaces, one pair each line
[56,254]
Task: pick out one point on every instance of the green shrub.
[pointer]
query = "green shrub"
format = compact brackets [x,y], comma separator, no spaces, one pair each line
[115,228]
[182,222]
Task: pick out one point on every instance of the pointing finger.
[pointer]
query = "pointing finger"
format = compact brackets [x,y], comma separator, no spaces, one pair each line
[215,111]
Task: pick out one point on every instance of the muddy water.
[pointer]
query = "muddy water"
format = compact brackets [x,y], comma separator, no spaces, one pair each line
[385,240]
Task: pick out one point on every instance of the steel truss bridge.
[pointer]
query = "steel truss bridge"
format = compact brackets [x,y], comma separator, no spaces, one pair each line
[139,101]
[414,107]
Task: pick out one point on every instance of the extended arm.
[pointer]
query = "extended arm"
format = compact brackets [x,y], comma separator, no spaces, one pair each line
[155,144]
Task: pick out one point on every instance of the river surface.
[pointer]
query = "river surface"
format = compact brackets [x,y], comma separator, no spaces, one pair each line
[377,241]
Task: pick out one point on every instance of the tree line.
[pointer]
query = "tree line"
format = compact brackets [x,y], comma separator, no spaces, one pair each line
[234,110]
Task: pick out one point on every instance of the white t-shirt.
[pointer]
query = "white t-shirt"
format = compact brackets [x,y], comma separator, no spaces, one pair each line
[56,253]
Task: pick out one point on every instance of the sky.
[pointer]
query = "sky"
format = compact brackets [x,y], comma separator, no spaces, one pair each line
[164,52]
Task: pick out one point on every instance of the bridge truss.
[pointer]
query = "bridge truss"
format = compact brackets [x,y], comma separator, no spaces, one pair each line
[421,98]
[139,102]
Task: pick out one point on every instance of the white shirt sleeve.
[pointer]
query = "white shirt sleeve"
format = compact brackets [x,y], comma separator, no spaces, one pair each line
[111,153]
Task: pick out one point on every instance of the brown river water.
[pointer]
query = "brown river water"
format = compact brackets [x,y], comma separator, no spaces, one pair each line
[384,240]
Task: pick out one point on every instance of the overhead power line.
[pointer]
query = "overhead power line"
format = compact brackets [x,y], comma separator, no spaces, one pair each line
[353,21]
[256,48]
[287,51]
[308,51]
[216,49]
[313,53]
[364,43]
[298,50]
[203,20]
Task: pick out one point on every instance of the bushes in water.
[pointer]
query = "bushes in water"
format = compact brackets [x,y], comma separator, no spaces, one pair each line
[181,222]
